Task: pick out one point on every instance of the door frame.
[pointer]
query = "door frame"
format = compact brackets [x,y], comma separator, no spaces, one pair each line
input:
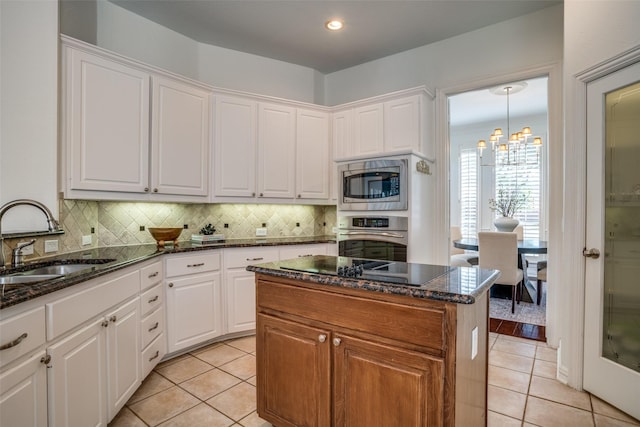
[571,364]
[553,71]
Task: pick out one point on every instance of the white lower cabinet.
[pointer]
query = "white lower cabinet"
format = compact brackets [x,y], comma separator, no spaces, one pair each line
[239,289]
[193,286]
[95,370]
[23,393]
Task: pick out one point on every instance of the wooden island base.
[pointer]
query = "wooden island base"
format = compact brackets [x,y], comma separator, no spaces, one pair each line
[332,356]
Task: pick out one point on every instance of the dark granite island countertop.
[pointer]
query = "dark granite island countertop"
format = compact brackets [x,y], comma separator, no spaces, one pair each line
[460,285]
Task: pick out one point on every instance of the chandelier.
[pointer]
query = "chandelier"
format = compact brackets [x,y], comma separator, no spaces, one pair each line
[513,150]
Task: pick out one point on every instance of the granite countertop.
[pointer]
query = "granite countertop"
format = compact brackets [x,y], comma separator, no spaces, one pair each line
[461,285]
[105,260]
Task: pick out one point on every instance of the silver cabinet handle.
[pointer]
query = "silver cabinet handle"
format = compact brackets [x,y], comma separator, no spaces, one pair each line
[146,189]
[260,258]
[260,194]
[152,275]
[104,323]
[322,337]
[155,190]
[14,342]
[303,256]
[46,359]
[154,327]
[591,253]
[154,299]
[336,342]
[200,264]
[113,319]
[155,356]
[171,285]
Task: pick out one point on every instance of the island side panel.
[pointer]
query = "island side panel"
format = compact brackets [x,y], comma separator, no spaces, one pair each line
[471,373]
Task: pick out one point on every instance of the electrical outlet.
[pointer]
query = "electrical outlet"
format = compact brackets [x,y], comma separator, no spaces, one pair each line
[474,343]
[27,250]
[50,246]
[86,240]
[262,231]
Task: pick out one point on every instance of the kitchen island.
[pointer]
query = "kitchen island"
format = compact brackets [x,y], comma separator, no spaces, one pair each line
[342,341]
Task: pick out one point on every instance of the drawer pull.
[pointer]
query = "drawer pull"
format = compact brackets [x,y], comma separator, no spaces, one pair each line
[260,258]
[154,327]
[304,256]
[154,299]
[200,264]
[152,275]
[14,342]
[155,356]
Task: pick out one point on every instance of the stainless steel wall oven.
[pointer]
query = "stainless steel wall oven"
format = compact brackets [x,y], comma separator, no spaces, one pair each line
[373,237]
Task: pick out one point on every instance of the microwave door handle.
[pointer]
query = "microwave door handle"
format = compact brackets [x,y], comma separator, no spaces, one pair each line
[368,233]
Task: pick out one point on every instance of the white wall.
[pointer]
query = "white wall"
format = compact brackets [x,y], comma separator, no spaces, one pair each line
[594,32]
[516,44]
[139,38]
[28,109]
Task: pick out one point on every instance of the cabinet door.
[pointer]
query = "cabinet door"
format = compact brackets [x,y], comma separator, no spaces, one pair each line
[107,124]
[23,393]
[276,150]
[193,310]
[241,300]
[293,368]
[312,154]
[368,130]
[342,131]
[299,251]
[376,384]
[77,380]
[180,138]
[235,147]
[123,363]
[402,124]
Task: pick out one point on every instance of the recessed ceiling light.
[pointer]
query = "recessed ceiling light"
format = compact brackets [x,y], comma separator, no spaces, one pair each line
[334,25]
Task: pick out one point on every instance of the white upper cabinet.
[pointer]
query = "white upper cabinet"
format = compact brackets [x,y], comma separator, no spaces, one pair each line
[180,138]
[235,147]
[276,150]
[132,133]
[342,132]
[312,154]
[402,124]
[107,124]
[368,127]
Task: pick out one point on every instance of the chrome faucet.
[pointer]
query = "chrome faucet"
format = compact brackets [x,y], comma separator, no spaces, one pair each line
[52,223]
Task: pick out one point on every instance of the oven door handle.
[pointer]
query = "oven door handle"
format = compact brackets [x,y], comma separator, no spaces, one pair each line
[375,234]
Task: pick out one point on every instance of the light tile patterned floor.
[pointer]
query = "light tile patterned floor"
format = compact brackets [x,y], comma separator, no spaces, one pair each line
[215,387]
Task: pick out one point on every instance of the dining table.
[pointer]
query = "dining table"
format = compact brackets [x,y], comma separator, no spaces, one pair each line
[526,246]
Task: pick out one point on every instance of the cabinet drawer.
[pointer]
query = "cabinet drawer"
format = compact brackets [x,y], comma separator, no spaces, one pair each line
[153,354]
[151,299]
[182,265]
[299,251]
[152,326]
[21,334]
[151,274]
[69,312]
[421,326]
[242,257]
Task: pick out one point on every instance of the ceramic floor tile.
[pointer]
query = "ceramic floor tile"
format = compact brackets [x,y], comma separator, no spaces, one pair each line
[207,385]
[201,415]
[545,413]
[546,353]
[495,419]
[555,391]
[151,385]
[252,381]
[509,379]
[601,407]
[542,368]
[237,402]
[219,355]
[185,369]
[243,367]
[171,361]
[164,405]
[515,347]
[253,420]
[510,361]
[604,421]
[506,402]
[126,418]
[247,344]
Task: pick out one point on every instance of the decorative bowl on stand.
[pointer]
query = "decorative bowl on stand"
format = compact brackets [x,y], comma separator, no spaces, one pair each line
[165,235]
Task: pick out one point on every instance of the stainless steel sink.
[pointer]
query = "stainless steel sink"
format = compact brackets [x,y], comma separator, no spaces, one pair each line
[21,280]
[59,269]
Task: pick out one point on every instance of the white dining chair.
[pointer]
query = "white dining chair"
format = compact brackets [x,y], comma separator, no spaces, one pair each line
[499,251]
[519,230]
[459,257]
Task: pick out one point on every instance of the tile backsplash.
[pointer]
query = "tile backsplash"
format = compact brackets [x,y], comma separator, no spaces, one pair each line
[118,223]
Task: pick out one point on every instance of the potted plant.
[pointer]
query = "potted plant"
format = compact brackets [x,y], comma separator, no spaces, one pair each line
[507,203]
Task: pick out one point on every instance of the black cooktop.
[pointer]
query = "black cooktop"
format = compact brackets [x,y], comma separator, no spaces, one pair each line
[401,273]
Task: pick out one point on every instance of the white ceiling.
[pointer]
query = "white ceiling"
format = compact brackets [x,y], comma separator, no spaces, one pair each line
[293,31]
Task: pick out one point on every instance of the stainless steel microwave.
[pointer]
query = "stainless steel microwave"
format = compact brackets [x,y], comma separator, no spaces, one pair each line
[373,185]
